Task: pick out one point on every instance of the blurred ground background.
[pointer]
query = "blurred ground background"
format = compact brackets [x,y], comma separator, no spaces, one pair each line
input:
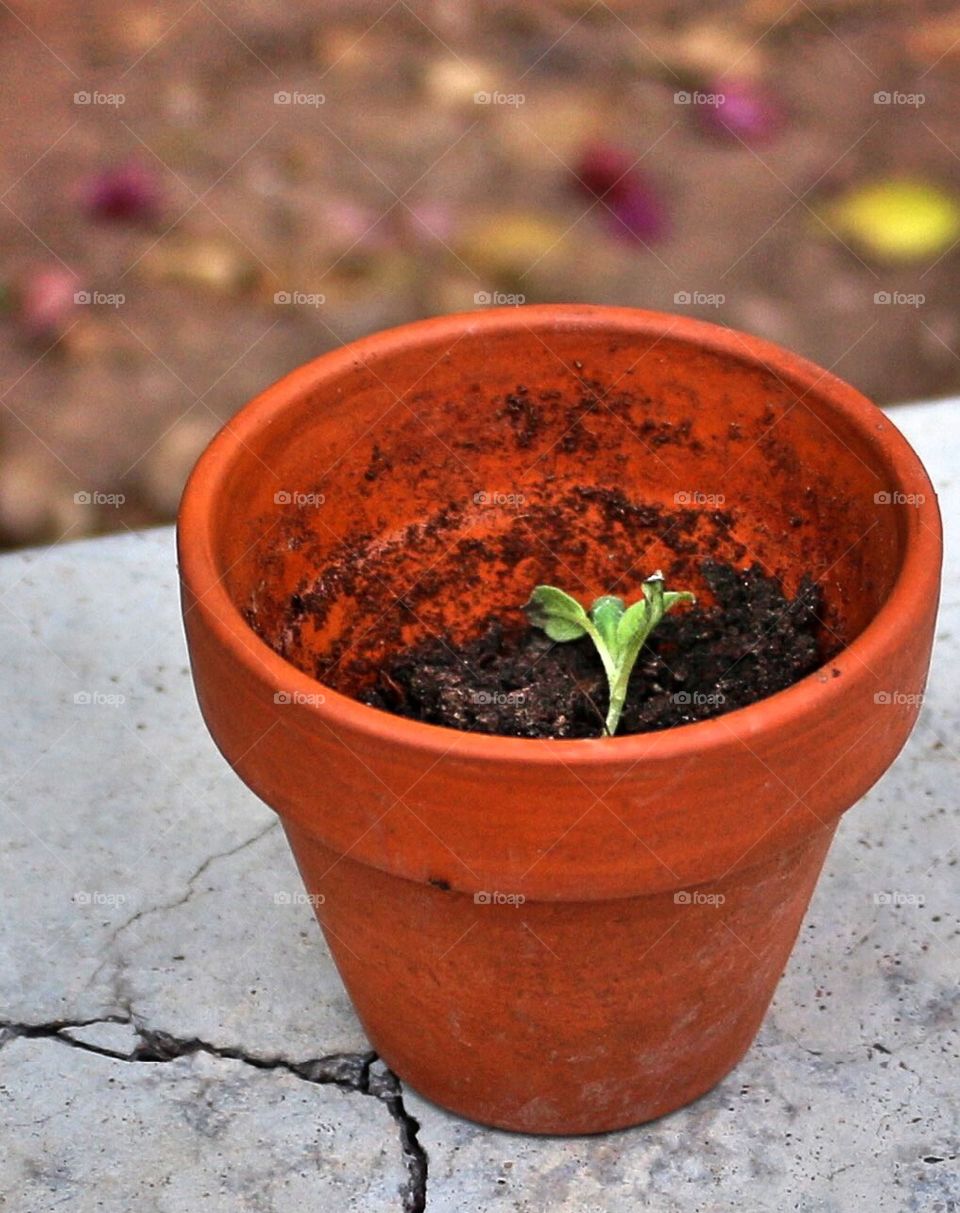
[198,196]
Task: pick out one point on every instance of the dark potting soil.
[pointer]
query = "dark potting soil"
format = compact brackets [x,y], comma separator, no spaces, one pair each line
[701,661]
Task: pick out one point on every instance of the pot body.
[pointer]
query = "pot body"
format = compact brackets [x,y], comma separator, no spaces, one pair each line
[572,936]
[558,1016]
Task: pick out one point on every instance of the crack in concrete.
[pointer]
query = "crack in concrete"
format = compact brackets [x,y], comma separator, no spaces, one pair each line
[362,1073]
[184,897]
[190,890]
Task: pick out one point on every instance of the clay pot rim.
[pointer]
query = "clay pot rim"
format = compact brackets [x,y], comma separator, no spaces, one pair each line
[890,627]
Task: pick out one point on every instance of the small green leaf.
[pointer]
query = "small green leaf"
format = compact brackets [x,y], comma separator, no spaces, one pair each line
[633,619]
[559,615]
[606,613]
[653,587]
[671,599]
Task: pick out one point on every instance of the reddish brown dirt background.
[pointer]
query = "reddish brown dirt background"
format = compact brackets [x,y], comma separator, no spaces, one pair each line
[400,194]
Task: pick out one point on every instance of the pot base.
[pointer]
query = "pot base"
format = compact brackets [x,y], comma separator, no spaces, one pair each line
[560,1017]
[533,1122]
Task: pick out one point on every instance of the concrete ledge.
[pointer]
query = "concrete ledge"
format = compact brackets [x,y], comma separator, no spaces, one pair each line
[177,1038]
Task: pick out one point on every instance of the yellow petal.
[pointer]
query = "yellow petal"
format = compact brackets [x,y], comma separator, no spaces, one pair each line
[511,244]
[210,264]
[897,220]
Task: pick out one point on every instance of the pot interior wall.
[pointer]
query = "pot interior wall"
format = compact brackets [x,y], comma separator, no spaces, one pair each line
[424,489]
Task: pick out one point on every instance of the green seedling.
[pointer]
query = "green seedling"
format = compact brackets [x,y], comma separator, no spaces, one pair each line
[618,631]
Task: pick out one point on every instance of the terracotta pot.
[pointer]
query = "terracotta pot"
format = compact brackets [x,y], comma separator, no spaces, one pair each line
[553,936]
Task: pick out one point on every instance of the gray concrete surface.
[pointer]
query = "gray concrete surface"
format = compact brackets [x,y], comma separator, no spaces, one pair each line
[176,1038]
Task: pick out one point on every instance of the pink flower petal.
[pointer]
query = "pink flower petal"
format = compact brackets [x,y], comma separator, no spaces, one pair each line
[129,193]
